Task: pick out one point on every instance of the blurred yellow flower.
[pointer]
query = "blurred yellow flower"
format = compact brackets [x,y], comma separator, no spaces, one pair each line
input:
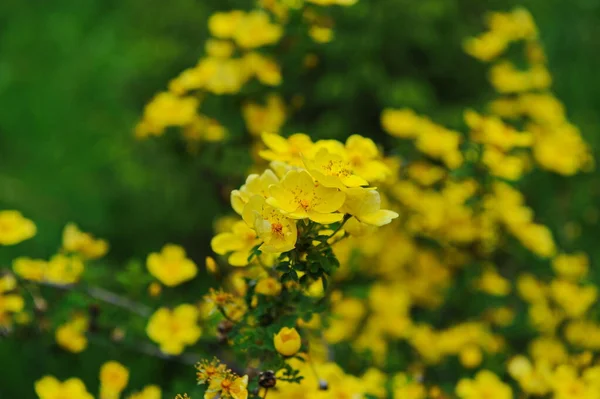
[268,286]
[149,392]
[113,380]
[71,335]
[74,240]
[485,385]
[49,387]
[10,303]
[171,266]
[174,329]
[15,228]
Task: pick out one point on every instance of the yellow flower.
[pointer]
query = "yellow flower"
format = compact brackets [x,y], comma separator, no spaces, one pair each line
[49,387]
[492,283]
[470,356]
[268,118]
[333,170]
[219,48]
[572,267]
[267,71]
[403,123]
[365,205]
[268,286]
[223,24]
[171,266]
[113,380]
[255,185]
[320,34]
[166,109]
[366,159]
[229,386]
[249,30]
[485,385]
[149,392]
[299,197]
[14,228]
[71,335]
[30,269]
[288,150]
[575,300]
[255,30]
[74,240]
[278,232]
[206,370]
[9,303]
[287,341]
[239,243]
[64,269]
[486,47]
[174,329]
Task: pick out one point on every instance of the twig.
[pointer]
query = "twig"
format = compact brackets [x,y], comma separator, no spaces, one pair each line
[103,295]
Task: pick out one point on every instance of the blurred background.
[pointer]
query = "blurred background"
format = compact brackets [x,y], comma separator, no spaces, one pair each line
[75,76]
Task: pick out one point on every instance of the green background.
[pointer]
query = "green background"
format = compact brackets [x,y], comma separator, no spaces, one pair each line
[75,75]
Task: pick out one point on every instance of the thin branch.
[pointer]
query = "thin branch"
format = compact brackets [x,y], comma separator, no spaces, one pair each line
[102,295]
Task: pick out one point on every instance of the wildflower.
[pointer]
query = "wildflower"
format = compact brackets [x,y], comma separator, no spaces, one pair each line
[239,242]
[485,385]
[255,185]
[206,370]
[278,232]
[299,197]
[249,30]
[30,269]
[228,386]
[320,34]
[15,228]
[166,109]
[149,392]
[572,267]
[364,204]
[492,283]
[365,158]
[288,150]
[333,170]
[174,329]
[268,72]
[171,266]
[74,240]
[470,356]
[486,47]
[63,269]
[49,387]
[113,380]
[403,123]
[10,303]
[268,286]
[269,118]
[71,335]
[287,341]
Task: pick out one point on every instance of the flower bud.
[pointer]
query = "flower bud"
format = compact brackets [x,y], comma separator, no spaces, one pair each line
[287,341]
